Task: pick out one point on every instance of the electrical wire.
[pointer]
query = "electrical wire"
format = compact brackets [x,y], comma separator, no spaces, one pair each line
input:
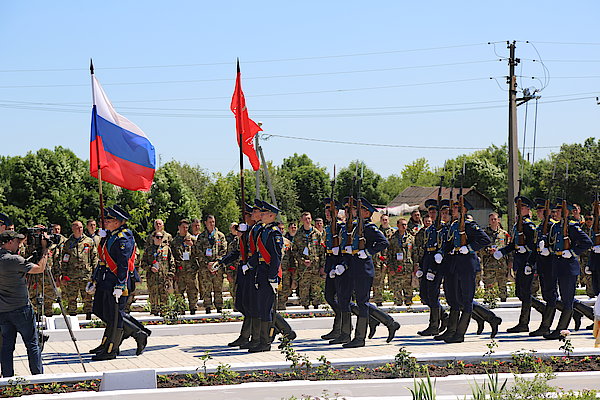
[252,61]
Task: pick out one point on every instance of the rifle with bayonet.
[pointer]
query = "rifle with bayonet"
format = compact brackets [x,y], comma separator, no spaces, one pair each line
[520,235]
[350,213]
[360,220]
[462,214]
[438,219]
[565,214]
[333,214]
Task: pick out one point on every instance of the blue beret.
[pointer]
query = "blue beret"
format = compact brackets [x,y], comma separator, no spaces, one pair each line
[266,207]
[525,201]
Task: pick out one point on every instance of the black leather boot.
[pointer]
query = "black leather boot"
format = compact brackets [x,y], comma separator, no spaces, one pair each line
[434,323]
[585,310]
[254,333]
[346,329]
[480,322]
[451,328]
[360,334]
[386,320]
[137,323]
[284,328]
[265,338]
[576,314]
[336,329]
[524,317]
[245,333]
[563,323]
[538,305]
[547,319]
[461,329]
[105,336]
[444,320]
[488,316]
[373,322]
[110,351]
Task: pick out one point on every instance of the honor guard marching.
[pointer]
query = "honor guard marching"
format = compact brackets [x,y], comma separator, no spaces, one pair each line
[464,239]
[112,283]
[523,246]
[566,241]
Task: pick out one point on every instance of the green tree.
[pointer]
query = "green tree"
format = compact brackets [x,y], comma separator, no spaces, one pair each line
[311,182]
[348,177]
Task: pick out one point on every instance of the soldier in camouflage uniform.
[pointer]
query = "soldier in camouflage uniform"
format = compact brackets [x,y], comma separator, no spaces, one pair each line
[308,257]
[186,271]
[495,271]
[380,263]
[401,264]
[159,226]
[159,264]
[78,259]
[231,270]
[288,274]
[210,247]
[91,231]
[415,223]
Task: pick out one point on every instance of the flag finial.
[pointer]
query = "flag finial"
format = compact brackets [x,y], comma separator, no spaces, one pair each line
[91,67]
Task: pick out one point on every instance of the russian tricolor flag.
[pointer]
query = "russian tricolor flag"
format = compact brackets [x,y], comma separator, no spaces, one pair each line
[118,147]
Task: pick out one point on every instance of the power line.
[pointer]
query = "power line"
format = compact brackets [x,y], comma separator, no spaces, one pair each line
[269,135]
[251,61]
[258,77]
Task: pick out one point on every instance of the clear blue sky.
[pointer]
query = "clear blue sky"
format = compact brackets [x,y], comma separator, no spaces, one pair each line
[348,71]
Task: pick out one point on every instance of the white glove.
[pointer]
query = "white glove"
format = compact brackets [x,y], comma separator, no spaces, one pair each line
[430,276]
[541,244]
[90,288]
[419,273]
[332,273]
[274,286]
[587,270]
[348,249]
[242,227]
[118,293]
[438,258]
[545,252]
[596,249]
[528,270]
[102,232]
[521,249]
[498,254]
[339,269]
[336,250]
[463,250]
[362,254]
[245,268]
[567,254]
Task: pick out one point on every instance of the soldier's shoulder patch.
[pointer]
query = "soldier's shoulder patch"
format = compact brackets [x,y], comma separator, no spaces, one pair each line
[274,228]
[121,235]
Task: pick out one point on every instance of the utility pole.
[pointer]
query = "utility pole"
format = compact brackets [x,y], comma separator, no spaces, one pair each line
[513,149]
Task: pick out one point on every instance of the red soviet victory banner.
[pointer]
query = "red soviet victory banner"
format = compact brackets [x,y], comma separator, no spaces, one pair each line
[245,127]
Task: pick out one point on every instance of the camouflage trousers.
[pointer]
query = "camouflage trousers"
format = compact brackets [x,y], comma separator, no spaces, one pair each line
[158,292]
[71,290]
[586,281]
[310,288]
[495,280]
[185,282]
[211,284]
[379,281]
[284,294]
[401,284]
[39,289]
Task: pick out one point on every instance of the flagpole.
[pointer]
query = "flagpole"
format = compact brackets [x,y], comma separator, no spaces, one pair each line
[97,149]
[240,142]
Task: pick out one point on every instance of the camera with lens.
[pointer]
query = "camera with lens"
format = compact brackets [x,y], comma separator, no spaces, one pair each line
[39,238]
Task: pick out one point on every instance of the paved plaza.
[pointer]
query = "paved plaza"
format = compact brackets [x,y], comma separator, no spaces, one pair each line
[181,347]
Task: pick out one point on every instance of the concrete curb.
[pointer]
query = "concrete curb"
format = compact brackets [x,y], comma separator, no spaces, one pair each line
[280,366]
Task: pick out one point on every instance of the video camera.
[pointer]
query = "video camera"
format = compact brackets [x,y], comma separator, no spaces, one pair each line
[36,236]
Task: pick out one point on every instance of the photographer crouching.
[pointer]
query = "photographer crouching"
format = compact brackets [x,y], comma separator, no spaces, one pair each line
[16,312]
